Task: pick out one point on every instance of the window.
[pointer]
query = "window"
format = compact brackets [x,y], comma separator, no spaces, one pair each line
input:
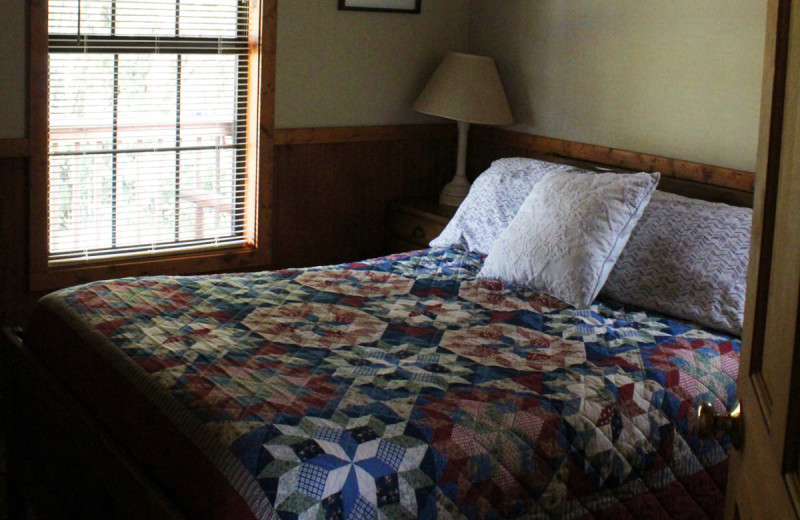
[149,157]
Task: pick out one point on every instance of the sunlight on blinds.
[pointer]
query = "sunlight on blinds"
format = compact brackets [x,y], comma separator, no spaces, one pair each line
[147,126]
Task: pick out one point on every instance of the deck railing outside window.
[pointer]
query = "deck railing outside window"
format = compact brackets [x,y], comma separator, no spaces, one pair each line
[147,126]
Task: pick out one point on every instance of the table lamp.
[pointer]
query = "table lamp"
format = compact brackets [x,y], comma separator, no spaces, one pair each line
[466,88]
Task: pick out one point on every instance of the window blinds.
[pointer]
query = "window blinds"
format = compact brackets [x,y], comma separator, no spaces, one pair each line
[147,117]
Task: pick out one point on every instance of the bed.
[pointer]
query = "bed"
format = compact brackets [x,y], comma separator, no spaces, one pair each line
[426,384]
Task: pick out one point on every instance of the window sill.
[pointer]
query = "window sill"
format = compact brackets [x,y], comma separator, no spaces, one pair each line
[233,259]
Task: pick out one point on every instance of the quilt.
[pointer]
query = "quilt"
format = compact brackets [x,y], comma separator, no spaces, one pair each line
[404,387]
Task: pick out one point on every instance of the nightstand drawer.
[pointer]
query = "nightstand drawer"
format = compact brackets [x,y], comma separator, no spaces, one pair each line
[414,228]
[412,225]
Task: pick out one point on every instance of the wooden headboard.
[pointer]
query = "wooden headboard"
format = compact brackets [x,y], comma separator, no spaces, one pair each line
[702,181]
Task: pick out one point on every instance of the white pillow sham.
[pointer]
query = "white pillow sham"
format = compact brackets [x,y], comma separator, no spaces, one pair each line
[493,200]
[569,232]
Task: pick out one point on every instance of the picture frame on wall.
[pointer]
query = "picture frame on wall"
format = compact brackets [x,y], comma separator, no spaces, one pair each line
[392,6]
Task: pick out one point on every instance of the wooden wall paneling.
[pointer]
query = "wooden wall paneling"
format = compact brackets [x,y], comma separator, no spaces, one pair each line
[331,198]
[17,300]
[14,148]
[350,134]
[481,153]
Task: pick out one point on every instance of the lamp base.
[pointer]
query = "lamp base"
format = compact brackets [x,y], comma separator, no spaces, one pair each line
[454,192]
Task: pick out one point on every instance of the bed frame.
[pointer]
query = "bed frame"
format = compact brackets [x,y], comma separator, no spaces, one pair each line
[69,466]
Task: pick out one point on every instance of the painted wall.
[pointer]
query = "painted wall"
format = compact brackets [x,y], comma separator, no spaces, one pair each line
[680,79]
[12,69]
[342,68]
[334,68]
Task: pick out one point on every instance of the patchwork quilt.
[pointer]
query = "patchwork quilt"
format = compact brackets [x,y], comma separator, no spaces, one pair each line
[404,387]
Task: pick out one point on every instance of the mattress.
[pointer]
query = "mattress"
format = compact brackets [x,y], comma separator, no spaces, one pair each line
[397,387]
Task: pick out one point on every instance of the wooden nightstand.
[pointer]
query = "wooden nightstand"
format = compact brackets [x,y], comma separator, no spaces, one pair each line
[414,223]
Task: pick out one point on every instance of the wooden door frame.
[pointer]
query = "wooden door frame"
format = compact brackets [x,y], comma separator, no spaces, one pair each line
[771,416]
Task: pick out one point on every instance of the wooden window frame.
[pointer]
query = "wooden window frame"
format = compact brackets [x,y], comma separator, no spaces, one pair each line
[259,164]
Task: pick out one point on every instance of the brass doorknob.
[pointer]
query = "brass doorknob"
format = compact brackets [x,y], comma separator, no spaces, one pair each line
[709,423]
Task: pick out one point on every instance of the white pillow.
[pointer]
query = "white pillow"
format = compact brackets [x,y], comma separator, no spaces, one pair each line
[492,202]
[568,233]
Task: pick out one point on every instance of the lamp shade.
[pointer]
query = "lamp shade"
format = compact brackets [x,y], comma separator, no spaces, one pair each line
[466,88]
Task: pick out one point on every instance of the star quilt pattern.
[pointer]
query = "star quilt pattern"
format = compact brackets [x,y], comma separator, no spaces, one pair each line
[405,387]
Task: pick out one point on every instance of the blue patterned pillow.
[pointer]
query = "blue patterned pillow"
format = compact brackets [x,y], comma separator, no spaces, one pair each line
[493,201]
[686,258]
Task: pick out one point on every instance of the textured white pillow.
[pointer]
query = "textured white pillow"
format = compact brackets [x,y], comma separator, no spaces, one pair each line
[568,233]
[687,258]
[492,202]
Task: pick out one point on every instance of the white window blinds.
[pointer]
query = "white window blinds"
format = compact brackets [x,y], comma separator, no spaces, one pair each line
[147,119]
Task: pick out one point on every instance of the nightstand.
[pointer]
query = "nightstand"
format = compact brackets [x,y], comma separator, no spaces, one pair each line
[414,223]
